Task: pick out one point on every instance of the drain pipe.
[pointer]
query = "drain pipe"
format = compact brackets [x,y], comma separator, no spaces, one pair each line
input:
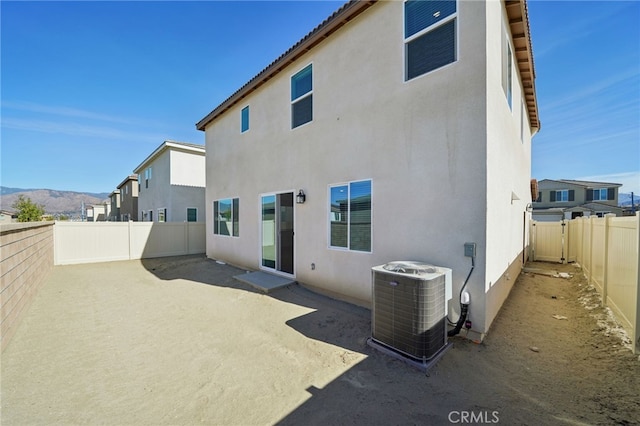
[464,303]
[464,309]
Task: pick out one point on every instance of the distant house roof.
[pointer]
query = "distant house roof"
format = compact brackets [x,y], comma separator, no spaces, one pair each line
[518,23]
[183,146]
[584,183]
[601,207]
[127,179]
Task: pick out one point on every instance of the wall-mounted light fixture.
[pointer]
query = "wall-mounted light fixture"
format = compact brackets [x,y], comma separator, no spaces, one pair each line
[301,197]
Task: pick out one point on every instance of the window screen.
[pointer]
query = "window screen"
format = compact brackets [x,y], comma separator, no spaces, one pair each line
[432,50]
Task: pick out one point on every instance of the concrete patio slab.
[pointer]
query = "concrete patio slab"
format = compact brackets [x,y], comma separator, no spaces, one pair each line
[264,281]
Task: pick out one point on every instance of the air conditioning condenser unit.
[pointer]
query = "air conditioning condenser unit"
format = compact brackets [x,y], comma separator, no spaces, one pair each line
[409,309]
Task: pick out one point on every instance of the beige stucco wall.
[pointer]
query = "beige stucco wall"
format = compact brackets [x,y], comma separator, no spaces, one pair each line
[177,182]
[26,258]
[129,196]
[187,168]
[508,170]
[423,143]
[153,197]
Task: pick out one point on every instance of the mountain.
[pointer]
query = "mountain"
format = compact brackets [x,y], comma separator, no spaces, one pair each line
[55,202]
[624,200]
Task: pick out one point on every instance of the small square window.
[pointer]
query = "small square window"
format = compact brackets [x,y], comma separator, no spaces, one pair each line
[192,215]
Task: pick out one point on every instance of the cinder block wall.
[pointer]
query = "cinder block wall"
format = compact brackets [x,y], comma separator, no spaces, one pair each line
[26,258]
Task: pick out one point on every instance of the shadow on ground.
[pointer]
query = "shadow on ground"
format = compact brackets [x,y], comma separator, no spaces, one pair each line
[501,380]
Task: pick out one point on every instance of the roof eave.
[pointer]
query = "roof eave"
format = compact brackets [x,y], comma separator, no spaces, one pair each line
[518,16]
[165,146]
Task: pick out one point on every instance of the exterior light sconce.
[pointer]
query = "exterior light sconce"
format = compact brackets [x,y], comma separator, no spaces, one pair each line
[301,197]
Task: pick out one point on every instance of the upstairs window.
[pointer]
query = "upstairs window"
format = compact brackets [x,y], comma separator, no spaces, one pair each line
[244,119]
[507,67]
[562,195]
[350,216]
[225,217]
[429,35]
[302,97]
[601,194]
[147,176]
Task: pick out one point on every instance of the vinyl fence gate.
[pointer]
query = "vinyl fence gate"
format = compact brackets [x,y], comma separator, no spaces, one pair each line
[549,242]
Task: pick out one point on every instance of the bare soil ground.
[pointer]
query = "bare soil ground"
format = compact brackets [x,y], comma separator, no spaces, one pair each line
[179,341]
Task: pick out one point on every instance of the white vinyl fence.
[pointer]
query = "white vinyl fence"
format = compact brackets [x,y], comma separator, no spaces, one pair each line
[90,242]
[608,250]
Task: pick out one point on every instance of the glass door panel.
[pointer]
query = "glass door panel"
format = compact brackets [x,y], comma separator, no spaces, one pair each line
[277,232]
[269,231]
[285,224]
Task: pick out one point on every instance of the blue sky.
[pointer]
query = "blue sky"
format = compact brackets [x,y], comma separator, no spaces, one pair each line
[90,89]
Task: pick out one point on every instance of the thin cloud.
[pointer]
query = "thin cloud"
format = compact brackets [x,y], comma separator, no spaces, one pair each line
[630,180]
[63,111]
[598,87]
[76,129]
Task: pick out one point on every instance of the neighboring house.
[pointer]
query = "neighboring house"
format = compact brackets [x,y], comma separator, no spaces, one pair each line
[98,212]
[567,199]
[8,216]
[171,184]
[114,199]
[129,198]
[407,126]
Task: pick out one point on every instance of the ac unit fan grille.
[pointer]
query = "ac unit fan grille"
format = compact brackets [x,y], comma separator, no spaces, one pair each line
[409,314]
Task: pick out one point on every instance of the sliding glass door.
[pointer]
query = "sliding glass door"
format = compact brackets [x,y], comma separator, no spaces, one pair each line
[277,232]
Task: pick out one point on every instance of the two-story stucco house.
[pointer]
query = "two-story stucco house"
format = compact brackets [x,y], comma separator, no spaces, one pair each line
[129,198]
[567,199]
[171,184]
[98,212]
[392,131]
[114,199]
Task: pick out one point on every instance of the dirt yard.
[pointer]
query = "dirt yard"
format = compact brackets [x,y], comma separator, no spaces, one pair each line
[179,341]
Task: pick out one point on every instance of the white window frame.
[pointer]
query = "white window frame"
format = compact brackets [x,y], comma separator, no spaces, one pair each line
[187,213]
[599,191]
[232,232]
[564,193]
[329,216]
[164,214]
[246,107]
[306,95]
[507,67]
[408,40]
